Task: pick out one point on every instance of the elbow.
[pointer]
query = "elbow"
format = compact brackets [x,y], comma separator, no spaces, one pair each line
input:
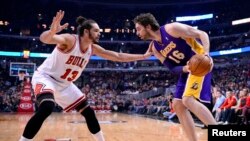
[42,39]
[123,60]
[45,37]
[204,34]
[120,58]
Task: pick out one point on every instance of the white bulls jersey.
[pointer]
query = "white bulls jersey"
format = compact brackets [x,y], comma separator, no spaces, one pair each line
[66,67]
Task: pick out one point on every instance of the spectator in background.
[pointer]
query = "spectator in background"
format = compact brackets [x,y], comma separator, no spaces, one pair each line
[246,108]
[226,107]
[171,113]
[218,102]
[237,110]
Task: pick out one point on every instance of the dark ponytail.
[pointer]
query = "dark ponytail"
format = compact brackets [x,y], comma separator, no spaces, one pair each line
[83,23]
[80,20]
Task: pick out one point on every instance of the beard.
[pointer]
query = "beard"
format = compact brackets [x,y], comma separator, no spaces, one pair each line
[95,40]
[146,36]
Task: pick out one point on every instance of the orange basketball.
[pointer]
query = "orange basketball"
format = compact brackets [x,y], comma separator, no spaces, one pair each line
[200,64]
[50,140]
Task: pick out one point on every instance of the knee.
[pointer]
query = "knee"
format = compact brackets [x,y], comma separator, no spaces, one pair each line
[175,105]
[46,108]
[47,104]
[187,101]
[81,107]
[178,105]
[88,113]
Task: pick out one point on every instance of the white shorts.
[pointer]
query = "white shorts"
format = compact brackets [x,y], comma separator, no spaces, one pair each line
[68,96]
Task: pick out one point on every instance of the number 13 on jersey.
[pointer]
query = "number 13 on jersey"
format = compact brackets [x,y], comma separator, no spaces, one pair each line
[69,75]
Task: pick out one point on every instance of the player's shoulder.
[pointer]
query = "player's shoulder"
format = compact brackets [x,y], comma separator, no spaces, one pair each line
[171,26]
[70,40]
[67,34]
[96,48]
[70,36]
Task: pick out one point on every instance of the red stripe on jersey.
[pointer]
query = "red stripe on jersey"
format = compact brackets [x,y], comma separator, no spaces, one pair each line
[75,104]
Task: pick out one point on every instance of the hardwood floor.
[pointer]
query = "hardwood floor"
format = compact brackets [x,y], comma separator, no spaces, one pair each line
[116,127]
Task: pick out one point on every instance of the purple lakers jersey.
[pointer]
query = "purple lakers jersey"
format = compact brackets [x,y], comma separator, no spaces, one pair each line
[177,51]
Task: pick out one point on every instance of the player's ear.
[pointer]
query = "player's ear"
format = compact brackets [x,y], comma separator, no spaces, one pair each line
[148,27]
[86,31]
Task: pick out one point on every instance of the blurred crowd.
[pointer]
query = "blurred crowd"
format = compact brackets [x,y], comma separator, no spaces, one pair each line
[117,91]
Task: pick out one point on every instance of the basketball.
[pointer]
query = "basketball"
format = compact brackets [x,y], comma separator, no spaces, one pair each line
[50,140]
[200,64]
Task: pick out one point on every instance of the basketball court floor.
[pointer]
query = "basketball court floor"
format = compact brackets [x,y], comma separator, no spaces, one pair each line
[116,127]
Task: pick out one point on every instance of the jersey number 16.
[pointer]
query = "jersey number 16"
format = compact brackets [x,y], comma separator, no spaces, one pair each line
[176,56]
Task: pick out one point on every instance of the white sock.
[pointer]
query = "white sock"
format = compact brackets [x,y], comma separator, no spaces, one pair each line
[99,136]
[24,139]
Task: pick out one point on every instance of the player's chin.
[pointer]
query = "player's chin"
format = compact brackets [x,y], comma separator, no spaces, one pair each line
[96,41]
[142,38]
[145,39]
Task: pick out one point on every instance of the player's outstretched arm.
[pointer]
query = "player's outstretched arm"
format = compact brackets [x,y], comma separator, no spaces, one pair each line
[50,36]
[120,57]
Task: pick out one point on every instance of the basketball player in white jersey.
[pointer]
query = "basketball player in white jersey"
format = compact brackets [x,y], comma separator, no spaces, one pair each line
[53,80]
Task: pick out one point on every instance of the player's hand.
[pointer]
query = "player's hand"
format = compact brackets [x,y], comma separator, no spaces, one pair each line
[158,55]
[186,68]
[211,61]
[150,48]
[147,54]
[56,23]
[218,110]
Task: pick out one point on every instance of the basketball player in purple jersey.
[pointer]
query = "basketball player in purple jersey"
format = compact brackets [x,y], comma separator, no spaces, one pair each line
[174,44]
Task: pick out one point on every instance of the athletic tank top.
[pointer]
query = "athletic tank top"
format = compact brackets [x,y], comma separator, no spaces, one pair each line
[177,51]
[66,67]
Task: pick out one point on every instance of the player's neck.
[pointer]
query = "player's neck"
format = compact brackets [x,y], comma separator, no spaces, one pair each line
[85,43]
[156,36]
